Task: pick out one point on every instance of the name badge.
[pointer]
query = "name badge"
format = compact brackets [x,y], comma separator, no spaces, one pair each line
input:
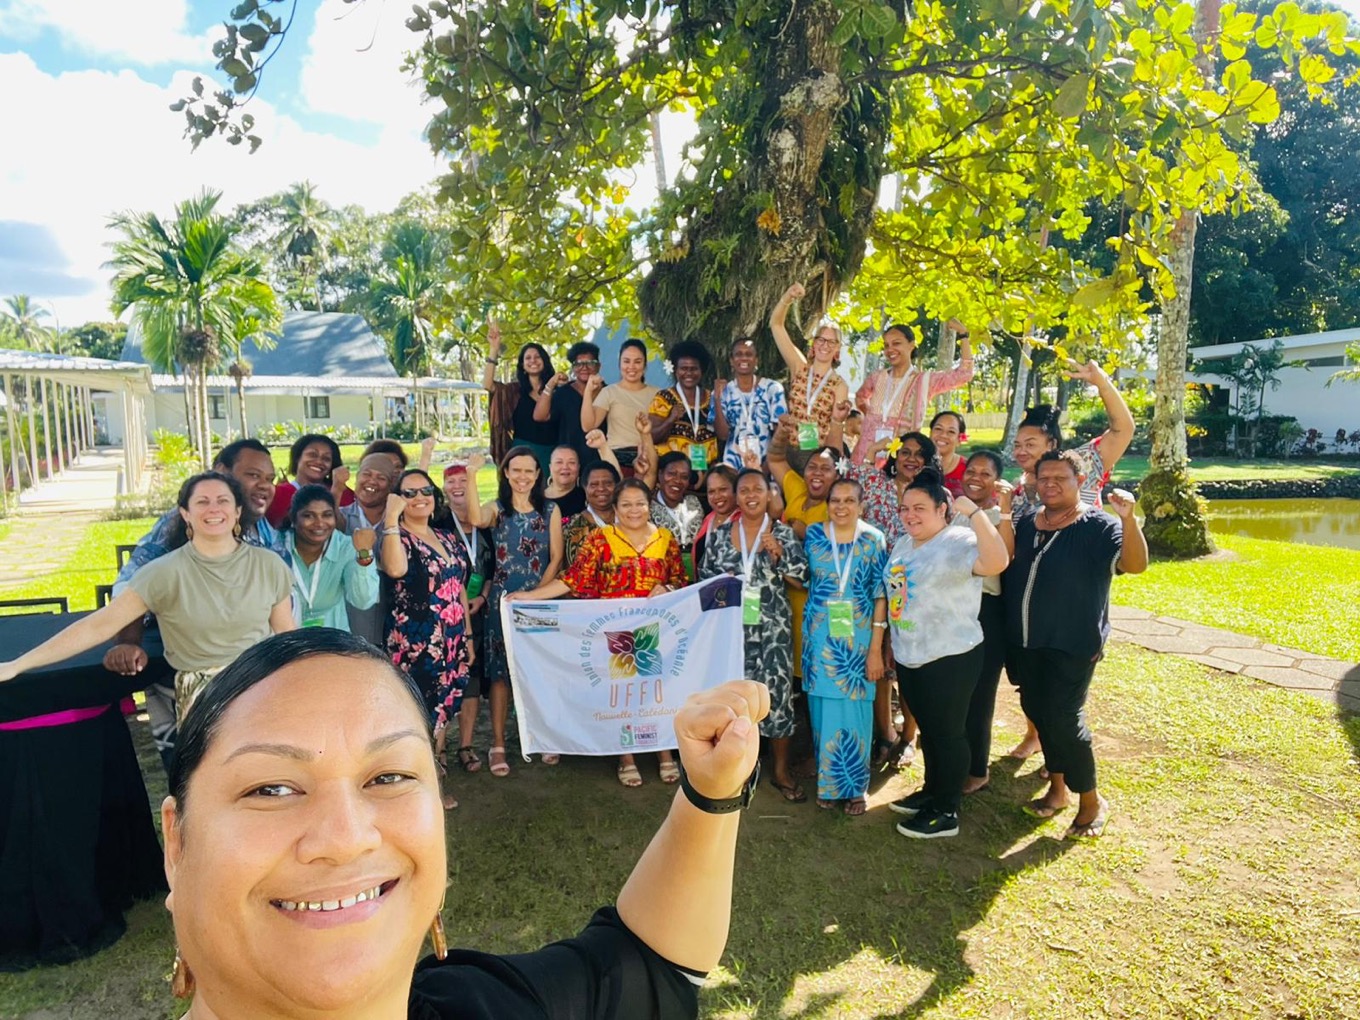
[687,559]
[841,614]
[698,456]
[314,620]
[475,583]
[882,434]
[808,436]
[750,605]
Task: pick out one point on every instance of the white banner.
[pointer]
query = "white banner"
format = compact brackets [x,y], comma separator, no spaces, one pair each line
[606,676]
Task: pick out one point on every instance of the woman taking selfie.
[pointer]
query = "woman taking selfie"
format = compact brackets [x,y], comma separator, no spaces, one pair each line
[306,856]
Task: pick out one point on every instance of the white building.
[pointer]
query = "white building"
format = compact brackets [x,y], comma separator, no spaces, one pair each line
[1303,392]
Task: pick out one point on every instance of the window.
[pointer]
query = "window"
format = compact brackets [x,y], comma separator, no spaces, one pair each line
[318,407]
[217,406]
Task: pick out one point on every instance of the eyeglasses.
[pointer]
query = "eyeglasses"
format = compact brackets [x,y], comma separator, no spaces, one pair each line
[424,490]
[826,339]
[588,363]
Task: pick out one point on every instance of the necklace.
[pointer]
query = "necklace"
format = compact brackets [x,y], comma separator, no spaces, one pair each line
[1053,523]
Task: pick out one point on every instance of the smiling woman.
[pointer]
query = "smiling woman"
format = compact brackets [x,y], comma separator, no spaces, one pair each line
[304,847]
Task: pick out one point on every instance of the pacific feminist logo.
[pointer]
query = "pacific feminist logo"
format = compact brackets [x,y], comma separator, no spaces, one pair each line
[634,653]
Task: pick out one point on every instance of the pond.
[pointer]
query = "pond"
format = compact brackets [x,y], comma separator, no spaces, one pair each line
[1311,521]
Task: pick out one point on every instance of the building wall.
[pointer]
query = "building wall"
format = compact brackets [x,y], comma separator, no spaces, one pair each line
[165,410]
[1304,394]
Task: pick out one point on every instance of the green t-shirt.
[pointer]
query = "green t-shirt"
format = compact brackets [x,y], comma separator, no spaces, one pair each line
[212,610]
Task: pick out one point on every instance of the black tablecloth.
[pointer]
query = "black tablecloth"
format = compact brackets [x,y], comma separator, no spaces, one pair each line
[77,843]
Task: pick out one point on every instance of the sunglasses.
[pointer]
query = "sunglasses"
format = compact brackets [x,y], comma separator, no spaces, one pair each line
[424,490]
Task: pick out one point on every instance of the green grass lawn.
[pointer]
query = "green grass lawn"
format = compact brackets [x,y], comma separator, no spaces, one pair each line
[1301,596]
[1194,905]
[91,561]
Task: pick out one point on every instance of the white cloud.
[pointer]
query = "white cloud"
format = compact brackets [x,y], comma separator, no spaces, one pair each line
[151,33]
[118,147]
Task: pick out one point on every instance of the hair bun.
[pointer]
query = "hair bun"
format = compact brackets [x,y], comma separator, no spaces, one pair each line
[1041,415]
[929,476]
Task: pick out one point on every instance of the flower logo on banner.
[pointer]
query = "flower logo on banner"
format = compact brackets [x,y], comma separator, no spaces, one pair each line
[634,653]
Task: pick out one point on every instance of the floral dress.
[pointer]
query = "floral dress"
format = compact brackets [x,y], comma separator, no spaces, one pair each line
[683,433]
[823,398]
[835,670]
[769,643]
[880,500]
[610,567]
[523,552]
[427,633]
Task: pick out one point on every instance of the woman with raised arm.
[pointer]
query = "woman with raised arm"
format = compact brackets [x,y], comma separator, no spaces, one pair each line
[894,400]
[815,387]
[933,582]
[618,407]
[629,559]
[213,594]
[682,415]
[527,529]
[478,546]
[331,571]
[307,860]
[748,407]
[766,555]
[312,460]
[512,406]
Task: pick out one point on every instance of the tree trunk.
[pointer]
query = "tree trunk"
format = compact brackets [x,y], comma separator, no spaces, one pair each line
[1172,509]
[1018,391]
[241,402]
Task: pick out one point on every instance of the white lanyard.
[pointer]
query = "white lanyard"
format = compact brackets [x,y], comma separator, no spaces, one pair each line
[691,413]
[748,559]
[747,403]
[812,394]
[310,597]
[469,543]
[600,522]
[885,409]
[843,572]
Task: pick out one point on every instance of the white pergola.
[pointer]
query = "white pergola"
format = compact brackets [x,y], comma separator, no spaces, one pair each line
[57,388]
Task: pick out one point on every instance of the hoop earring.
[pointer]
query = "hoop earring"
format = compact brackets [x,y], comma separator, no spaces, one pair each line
[181,978]
[441,944]
[189,531]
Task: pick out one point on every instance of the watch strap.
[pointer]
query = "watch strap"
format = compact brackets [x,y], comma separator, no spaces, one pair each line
[722,807]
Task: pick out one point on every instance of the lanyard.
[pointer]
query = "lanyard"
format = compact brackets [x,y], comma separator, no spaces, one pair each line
[310,597]
[691,413]
[600,522]
[885,409]
[747,403]
[469,542]
[843,572]
[812,394]
[748,559]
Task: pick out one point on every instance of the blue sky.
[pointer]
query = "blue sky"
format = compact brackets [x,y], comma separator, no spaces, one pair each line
[96,79]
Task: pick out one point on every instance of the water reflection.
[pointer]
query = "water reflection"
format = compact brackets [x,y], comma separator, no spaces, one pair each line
[1311,521]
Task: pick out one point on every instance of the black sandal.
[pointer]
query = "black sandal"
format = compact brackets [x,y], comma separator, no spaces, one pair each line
[467,757]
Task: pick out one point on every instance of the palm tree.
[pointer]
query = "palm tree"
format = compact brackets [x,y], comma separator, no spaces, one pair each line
[189,288]
[406,295]
[23,323]
[306,226]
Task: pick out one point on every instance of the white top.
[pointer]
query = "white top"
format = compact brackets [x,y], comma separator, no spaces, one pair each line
[933,597]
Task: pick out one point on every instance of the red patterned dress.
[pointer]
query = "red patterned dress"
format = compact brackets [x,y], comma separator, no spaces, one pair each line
[610,567]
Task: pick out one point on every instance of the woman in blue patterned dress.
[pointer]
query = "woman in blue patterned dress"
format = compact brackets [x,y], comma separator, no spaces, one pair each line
[426,633]
[764,553]
[527,528]
[843,627]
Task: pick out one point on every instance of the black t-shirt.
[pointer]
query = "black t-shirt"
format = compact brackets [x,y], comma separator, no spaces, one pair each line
[544,433]
[571,504]
[1057,588]
[566,416]
[604,973]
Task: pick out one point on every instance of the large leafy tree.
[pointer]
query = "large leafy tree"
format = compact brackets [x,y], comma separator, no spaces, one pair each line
[290,232]
[189,288]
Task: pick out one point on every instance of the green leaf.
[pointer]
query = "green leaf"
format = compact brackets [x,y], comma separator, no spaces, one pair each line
[1071,98]
[877,20]
[1096,293]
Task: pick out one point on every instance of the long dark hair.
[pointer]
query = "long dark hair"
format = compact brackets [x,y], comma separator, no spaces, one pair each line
[257,663]
[307,494]
[927,446]
[441,518]
[525,383]
[311,439]
[179,533]
[503,494]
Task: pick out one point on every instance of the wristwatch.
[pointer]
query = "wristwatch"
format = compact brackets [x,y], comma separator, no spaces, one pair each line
[722,807]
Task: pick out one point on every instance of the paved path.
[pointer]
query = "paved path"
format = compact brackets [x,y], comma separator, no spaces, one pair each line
[90,484]
[1331,680]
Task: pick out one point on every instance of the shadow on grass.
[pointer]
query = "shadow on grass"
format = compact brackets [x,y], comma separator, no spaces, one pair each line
[1348,709]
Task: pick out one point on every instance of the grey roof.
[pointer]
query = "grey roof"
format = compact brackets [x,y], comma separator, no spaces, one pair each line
[314,345]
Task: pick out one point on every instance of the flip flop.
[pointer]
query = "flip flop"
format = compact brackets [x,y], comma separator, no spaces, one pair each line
[1040,809]
[1092,830]
[552,759]
[793,793]
[856,807]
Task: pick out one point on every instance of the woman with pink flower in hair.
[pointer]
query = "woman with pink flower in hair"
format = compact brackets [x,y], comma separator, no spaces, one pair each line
[427,633]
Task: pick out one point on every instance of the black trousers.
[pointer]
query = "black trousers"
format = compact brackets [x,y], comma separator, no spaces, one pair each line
[1053,688]
[982,707]
[938,695]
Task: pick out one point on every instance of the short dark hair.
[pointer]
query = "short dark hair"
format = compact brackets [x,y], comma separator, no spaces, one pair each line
[179,533]
[257,663]
[674,457]
[601,465]
[725,471]
[231,453]
[304,495]
[1044,418]
[963,425]
[389,446]
[632,483]
[311,439]
[1068,457]
[859,489]
[747,472]
[992,456]
[691,349]
[582,347]
[931,481]
[441,515]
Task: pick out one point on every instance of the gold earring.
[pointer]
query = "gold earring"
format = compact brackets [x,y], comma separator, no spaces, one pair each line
[441,944]
[189,531]
[181,978]
[236,529]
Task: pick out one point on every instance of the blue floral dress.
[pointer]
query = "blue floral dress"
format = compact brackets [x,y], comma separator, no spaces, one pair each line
[835,674]
[523,545]
[426,633]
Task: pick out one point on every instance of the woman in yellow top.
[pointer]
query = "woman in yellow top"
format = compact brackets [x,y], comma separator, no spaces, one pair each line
[629,559]
[682,415]
[815,387]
